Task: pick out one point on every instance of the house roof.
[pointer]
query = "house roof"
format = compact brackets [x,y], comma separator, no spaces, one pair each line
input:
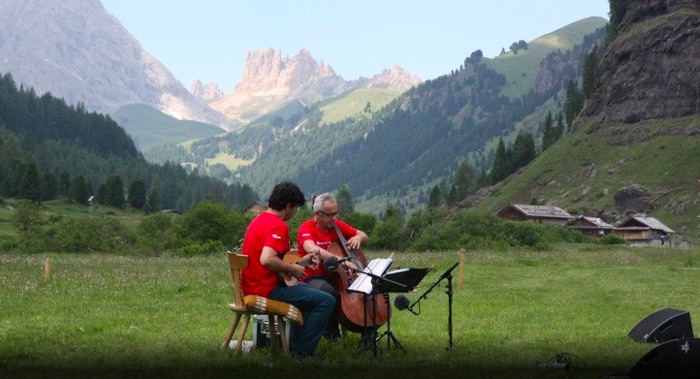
[595,222]
[650,222]
[548,211]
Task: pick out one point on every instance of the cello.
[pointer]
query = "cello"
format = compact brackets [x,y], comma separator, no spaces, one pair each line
[356,311]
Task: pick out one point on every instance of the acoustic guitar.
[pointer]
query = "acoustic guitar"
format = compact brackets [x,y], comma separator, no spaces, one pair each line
[292,257]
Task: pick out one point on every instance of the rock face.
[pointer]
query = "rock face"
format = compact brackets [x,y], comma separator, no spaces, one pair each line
[79,52]
[651,70]
[269,80]
[207,92]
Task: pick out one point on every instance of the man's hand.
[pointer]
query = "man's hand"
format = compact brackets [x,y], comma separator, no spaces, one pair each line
[297,271]
[354,242]
[311,260]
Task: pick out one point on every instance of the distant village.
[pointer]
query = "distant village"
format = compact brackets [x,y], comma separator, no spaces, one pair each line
[639,229]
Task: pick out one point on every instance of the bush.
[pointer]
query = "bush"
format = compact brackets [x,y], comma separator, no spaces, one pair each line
[156,233]
[201,248]
[363,221]
[611,239]
[390,232]
[88,234]
[211,221]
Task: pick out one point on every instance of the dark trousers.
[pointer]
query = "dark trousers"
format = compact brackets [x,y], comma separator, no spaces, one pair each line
[316,306]
[332,329]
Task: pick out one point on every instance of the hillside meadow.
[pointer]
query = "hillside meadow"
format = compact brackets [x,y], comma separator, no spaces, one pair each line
[106,315]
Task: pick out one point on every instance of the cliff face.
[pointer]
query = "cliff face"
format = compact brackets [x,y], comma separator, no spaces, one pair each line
[79,52]
[270,80]
[651,68]
[207,92]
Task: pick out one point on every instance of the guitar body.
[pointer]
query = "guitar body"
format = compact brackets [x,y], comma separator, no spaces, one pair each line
[291,257]
[356,311]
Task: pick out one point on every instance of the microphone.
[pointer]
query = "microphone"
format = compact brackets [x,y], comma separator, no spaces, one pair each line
[401,302]
[331,264]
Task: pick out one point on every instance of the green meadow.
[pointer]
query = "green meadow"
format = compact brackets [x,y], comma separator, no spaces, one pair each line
[102,315]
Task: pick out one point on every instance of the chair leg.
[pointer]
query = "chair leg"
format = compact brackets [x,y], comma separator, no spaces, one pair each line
[283,335]
[241,335]
[273,332]
[231,330]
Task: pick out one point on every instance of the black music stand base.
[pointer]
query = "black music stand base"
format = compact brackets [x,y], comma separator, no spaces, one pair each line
[398,281]
[390,337]
[369,338]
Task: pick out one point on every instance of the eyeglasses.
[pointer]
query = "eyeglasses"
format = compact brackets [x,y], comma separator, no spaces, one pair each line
[331,215]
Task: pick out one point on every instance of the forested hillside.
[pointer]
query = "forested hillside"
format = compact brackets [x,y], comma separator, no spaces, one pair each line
[398,152]
[50,150]
[633,149]
[420,138]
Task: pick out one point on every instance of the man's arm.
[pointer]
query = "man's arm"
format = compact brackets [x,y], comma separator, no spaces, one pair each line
[272,262]
[355,242]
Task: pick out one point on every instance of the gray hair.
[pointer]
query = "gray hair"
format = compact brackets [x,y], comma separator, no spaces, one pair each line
[322,198]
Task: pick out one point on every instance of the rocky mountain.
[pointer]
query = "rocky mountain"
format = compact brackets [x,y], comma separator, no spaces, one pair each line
[401,149]
[207,92]
[269,81]
[634,147]
[652,72]
[79,52]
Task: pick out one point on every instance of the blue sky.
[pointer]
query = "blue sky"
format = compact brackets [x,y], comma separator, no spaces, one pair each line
[208,39]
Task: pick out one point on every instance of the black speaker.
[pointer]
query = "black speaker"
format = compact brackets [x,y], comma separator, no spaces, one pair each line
[679,358]
[664,325]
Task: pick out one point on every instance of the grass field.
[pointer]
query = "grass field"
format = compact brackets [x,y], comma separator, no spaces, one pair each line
[100,315]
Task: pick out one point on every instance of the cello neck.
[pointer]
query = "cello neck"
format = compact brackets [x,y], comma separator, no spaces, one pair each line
[344,246]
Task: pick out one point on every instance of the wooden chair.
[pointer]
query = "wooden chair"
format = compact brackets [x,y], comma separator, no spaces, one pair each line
[245,306]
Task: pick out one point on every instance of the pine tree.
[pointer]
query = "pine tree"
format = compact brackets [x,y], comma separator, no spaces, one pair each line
[115,192]
[137,194]
[463,184]
[435,197]
[81,191]
[590,69]
[30,182]
[501,163]
[574,102]
[344,200]
[548,133]
[523,150]
[152,202]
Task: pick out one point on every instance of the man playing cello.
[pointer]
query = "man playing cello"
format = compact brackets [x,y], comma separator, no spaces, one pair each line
[315,237]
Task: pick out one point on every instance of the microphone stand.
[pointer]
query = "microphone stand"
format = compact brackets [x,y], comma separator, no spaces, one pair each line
[446,275]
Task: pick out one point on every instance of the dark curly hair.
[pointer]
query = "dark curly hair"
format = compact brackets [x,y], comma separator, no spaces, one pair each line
[286,193]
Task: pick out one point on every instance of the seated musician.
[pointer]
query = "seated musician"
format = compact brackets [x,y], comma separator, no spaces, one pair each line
[315,236]
[266,241]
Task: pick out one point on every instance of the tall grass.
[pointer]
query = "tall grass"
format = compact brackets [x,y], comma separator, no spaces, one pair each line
[103,315]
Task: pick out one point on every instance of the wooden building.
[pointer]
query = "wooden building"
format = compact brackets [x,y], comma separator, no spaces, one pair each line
[590,226]
[643,229]
[255,208]
[541,214]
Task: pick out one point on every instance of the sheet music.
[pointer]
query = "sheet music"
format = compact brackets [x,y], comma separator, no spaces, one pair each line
[363,283]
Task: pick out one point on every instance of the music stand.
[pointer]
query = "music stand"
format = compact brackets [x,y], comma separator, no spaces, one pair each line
[409,278]
[367,284]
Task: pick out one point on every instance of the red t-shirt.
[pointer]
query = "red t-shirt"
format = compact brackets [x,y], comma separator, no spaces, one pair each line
[269,230]
[310,231]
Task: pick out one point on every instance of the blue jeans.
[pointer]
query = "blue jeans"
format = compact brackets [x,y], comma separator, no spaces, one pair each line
[316,306]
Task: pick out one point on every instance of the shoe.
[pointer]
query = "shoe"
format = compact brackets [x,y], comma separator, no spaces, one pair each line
[332,335]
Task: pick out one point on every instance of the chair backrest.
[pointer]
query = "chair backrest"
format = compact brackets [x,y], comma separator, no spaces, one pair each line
[237,262]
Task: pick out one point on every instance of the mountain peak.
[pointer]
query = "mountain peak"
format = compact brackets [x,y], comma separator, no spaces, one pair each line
[270,79]
[78,51]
